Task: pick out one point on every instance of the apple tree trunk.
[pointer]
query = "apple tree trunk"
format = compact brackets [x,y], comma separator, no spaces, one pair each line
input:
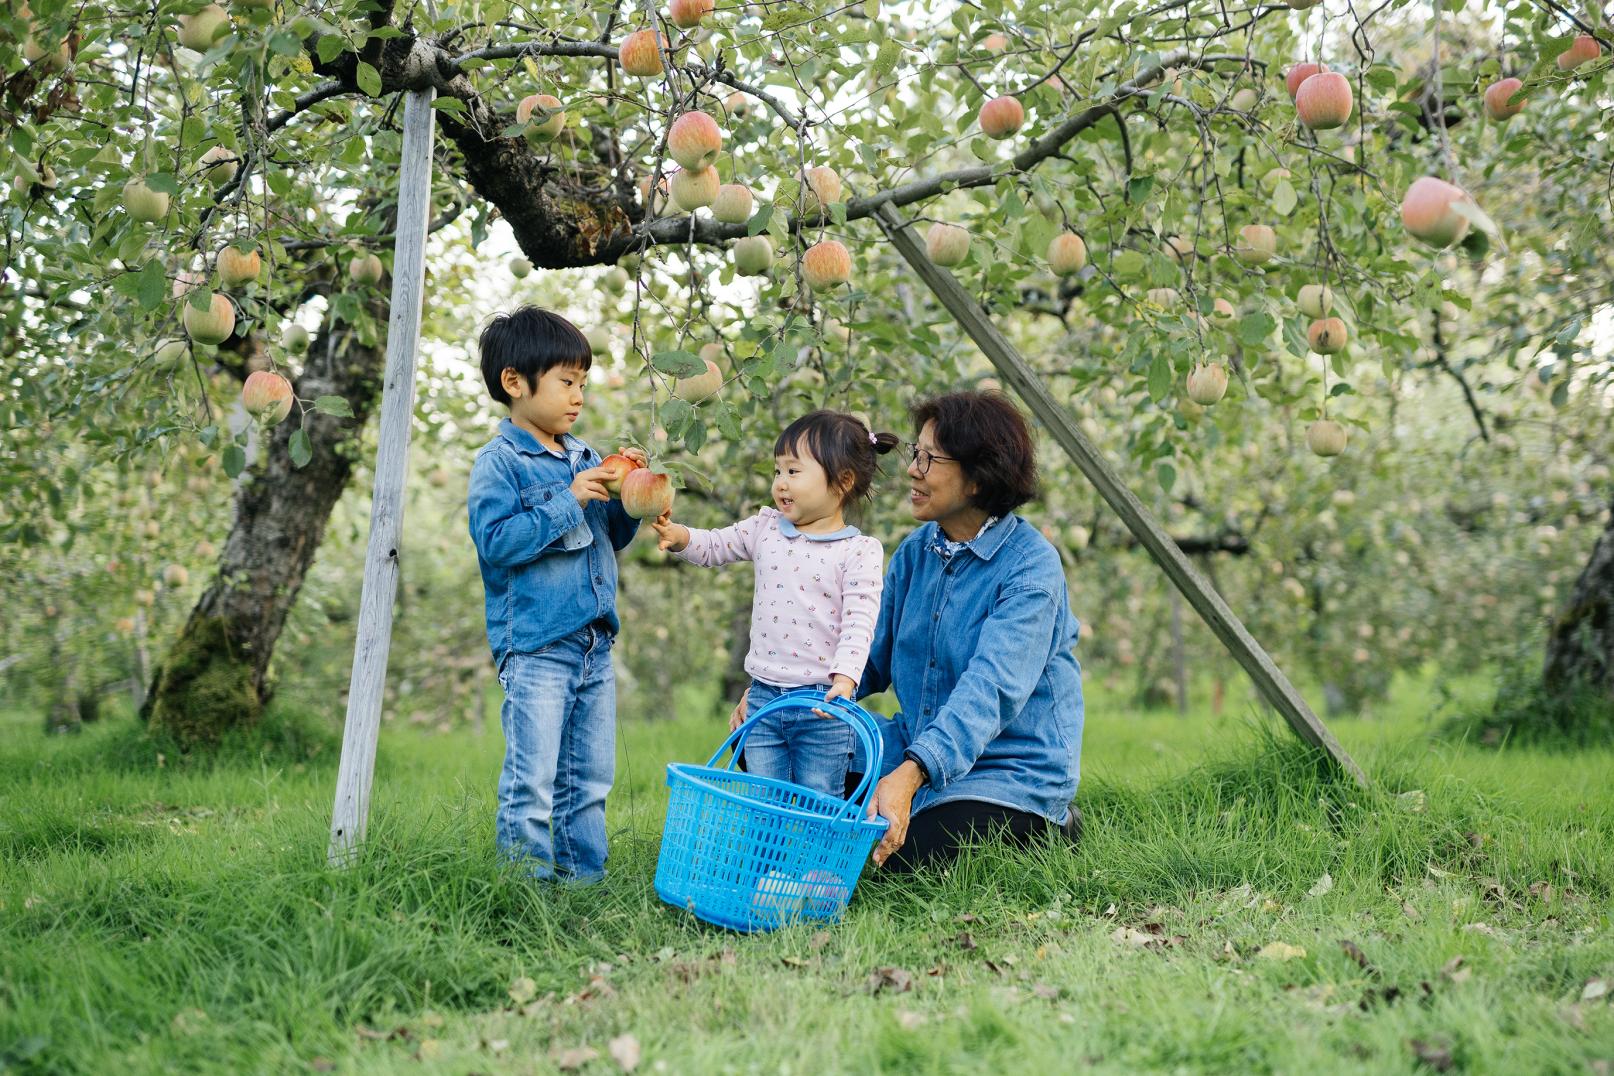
[216,676]
[1580,646]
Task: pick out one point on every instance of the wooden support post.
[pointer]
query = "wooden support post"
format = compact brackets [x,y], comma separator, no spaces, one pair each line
[363,726]
[1269,679]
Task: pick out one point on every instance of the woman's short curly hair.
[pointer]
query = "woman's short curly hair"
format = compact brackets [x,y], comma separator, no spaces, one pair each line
[989,437]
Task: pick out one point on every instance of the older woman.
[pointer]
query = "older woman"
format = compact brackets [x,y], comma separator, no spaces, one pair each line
[975,636]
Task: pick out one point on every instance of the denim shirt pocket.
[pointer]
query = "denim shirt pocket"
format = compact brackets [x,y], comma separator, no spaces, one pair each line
[540,493]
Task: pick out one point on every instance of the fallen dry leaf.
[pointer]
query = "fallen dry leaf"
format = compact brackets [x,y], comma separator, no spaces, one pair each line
[1454,971]
[1280,951]
[497,1046]
[574,1058]
[909,1020]
[625,1052]
[966,941]
[429,1050]
[1358,957]
[1324,885]
[819,939]
[895,980]
[523,990]
[1129,936]
[1436,1055]
[1481,928]
[1594,989]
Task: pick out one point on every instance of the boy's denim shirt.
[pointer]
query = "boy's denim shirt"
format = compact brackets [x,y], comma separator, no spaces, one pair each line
[548,565]
[978,647]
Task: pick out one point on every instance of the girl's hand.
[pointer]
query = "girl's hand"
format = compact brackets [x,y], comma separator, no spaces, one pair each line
[636,455]
[841,686]
[737,718]
[674,536]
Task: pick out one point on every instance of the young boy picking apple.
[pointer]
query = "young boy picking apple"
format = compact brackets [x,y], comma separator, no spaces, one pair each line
[545,530]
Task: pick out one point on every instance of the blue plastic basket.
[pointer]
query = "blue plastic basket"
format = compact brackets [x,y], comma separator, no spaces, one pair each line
[753,853]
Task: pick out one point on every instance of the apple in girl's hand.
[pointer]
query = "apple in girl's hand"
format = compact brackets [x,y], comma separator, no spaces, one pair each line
[619,466]
[646,494]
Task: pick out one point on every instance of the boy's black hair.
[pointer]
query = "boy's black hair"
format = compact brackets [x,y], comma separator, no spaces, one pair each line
[531,341]
[992,443]
[842,445]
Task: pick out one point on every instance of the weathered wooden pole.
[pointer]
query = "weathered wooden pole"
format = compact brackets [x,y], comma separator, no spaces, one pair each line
[359,734]
[1269,679]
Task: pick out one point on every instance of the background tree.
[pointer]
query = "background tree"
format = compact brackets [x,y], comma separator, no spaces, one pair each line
[1204,198]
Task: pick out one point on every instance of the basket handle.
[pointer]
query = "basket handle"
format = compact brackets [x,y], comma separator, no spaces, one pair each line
[807,698]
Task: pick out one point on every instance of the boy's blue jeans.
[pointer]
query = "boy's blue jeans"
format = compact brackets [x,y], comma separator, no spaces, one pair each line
[559,719]
[797,745]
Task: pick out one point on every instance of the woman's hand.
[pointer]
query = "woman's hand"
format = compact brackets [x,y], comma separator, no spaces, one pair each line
[674,536]
[893,801]
[737,718]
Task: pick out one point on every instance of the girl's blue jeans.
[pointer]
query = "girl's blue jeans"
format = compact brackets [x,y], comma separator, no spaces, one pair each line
[797,745]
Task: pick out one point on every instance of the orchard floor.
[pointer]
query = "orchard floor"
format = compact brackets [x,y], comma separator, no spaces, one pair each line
[1228,911]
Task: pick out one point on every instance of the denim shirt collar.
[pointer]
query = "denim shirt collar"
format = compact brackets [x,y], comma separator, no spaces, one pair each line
[526,442]
[790,530]
[993,533]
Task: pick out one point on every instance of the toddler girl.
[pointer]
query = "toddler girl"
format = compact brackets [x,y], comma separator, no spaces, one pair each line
[817,592]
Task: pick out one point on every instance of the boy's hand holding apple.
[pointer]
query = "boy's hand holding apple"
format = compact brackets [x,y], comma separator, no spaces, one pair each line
[589,485]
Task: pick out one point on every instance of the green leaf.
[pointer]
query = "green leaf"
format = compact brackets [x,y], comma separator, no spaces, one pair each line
[449,104]
[335,406]
[1166,474]
[302,450]
[162,181]
[1159,378]
[368,78]
[759,220]
[1283,198]
[678,363]
[1138,187]
[675,414]
[1255,328]
[235,460]
[153,285]
[1129,263]
[885,60]
[329,47]
[201,297]
[284,43]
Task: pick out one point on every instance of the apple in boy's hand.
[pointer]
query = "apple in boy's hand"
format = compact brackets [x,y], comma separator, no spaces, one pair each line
[619,464]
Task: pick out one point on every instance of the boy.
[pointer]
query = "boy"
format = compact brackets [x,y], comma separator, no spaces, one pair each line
[545,531]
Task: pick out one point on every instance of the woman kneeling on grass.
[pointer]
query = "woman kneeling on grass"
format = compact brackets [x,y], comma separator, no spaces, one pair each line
[975,636]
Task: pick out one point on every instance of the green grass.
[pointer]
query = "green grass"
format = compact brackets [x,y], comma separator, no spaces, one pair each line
[180,918]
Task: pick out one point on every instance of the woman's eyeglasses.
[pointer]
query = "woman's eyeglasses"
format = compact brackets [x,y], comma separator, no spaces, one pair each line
[922,459]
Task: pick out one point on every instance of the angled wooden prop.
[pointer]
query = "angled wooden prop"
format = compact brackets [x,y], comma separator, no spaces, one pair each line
[352,811]
[1269,679]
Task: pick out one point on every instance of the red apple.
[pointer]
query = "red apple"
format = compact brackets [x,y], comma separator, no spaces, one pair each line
[647,494]
[1298,74]
[1583,48]
[1427,211]
[694,141]
[267,396]
[640,53]
[619,466]
[1497,95]
[826,264]
[1001,117]
[1324,101]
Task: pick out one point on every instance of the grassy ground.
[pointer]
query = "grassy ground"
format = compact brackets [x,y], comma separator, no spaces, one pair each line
[179,918]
